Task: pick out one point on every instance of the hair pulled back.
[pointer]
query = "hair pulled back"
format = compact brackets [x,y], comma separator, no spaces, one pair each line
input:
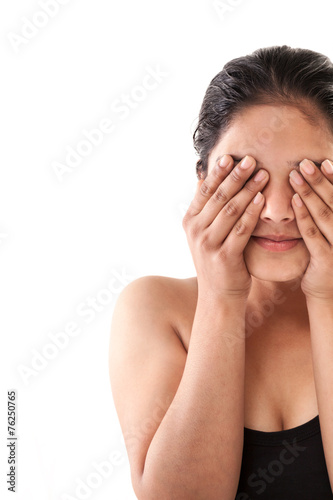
[271,75]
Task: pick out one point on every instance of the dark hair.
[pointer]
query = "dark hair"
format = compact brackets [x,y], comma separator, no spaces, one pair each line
[278,74]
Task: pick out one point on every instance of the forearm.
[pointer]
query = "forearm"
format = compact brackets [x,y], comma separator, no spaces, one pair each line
[197,450]
[321,327]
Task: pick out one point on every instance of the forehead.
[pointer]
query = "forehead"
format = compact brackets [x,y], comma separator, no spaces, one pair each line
[274,133]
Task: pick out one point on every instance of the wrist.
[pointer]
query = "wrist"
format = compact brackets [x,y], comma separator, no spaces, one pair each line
[209,295]
[226,316]
[319,299]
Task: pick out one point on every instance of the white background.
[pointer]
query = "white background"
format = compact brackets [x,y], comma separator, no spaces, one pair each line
[115,216]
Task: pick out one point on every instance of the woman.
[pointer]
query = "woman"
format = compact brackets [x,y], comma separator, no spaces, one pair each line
[223,382]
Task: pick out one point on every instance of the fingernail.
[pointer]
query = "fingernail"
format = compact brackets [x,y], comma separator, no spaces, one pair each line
[296,177]
[297,200]
[328,167]
[307,167]
[257,199]
[260,176]
[246,162]
[224,162]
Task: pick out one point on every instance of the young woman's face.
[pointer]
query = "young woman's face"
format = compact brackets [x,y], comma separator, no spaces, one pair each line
[277,137]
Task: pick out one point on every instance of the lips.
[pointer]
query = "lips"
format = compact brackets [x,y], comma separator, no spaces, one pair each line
[277,237]
[276,243]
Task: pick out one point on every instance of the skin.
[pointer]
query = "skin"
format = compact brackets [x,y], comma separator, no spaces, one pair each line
[274,136]
[190,333]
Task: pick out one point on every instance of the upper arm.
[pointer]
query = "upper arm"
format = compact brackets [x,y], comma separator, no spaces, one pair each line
[146,363]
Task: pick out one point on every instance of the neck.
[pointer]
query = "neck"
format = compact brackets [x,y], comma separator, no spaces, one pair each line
[287,295]
[282,306]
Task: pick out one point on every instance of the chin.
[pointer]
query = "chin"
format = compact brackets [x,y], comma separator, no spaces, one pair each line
[276,266]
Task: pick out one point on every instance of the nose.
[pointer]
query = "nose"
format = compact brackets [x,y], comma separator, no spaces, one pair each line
[277,207]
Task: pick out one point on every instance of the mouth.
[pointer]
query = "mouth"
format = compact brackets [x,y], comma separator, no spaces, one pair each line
[276,243]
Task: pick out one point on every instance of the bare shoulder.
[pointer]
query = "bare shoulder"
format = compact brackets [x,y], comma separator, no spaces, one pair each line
[147,357]
[167,299]
[170,288]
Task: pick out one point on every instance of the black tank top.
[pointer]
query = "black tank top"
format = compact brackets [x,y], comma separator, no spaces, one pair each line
[284,465]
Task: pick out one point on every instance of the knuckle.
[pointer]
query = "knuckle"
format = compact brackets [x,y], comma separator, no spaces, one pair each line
[192,231]
[303,216]
[223,254]
[231,208]
[206,244]
[217,174]
[311,231]
[241,228]
[325,213]
[251,186]
[235,175]
[206,189]
[251,211]
[188,219]
[197,233]
[220,195]
[307,193]
[318,180]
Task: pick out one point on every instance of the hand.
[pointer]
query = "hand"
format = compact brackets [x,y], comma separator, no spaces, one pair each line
[313,207]
[218,225]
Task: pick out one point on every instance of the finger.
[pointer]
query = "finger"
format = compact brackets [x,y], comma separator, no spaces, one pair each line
[321,213]
[207,187]
[319,180]
[240,234]
[226,219]
[233,183]
[327,169]
[313,238]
